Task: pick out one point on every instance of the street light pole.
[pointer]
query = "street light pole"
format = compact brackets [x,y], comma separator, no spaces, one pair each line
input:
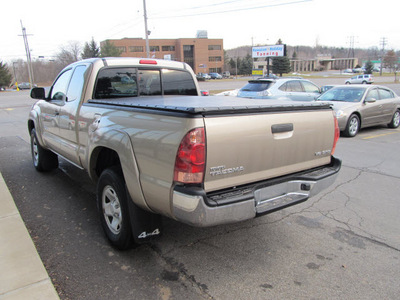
[146,30]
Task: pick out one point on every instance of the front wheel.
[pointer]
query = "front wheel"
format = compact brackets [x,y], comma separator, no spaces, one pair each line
[43,159]
[112,201]
[353,125]
[395,120]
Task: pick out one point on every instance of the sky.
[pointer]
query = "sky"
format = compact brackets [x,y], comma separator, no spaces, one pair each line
[51,25]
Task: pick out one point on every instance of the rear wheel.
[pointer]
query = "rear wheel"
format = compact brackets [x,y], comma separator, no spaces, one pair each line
[112,201]
[43,159]
[353,126]
[395,120]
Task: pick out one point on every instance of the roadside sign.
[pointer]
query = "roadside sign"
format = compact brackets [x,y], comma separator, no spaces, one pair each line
[269,51]
[257,72]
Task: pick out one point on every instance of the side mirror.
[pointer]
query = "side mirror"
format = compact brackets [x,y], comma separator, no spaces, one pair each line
[38,93]
[370,100]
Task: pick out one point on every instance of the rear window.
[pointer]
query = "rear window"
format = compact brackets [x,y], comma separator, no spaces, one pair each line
[257,86]
[177,82]
[116,83]
[133,82]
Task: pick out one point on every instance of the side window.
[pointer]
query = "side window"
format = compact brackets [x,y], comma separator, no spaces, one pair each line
[309,87]
[385,94]
[178,83]
[116,83]
[59,89]
[283,87]
[372,95]
[149,82]
[76,85]
[294,86]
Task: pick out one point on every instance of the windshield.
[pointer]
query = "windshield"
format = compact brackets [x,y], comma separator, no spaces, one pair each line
[257,86]
[343,94]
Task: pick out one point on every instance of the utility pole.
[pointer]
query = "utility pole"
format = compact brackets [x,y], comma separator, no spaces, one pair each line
[28,55]
[146,30]
[383,44]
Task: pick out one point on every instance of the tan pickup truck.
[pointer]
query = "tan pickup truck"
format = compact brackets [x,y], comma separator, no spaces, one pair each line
[155,147]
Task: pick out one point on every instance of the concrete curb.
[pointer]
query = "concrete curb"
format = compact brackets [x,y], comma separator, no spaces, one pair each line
[22,275]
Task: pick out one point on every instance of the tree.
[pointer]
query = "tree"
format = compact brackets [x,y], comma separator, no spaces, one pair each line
[245,65]
[281,65]
[108,49]
[390,59]
[5,75]
[69,53]
[369,67]
[90,50]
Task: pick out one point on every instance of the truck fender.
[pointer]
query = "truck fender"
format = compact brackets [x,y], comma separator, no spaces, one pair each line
[33,122]
[119,142]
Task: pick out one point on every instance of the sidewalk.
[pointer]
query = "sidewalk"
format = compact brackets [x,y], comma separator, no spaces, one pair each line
[22,275]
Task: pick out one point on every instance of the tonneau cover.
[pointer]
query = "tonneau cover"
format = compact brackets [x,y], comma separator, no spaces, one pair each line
[211,105]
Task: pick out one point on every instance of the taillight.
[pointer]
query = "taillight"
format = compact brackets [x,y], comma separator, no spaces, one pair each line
[191,158]
[337,134]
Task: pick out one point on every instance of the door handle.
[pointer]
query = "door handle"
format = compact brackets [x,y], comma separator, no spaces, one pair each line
[280,128]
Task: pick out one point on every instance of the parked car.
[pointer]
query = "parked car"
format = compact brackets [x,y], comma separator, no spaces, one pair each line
[360,106]
[363,79]
[215,76]
[204,93]
[202,76]
[226,74]
[24,86]
[287,88]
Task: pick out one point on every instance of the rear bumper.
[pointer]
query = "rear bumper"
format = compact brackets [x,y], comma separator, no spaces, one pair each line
[194,207]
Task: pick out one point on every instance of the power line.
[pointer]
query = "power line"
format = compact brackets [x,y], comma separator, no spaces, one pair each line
[232,10]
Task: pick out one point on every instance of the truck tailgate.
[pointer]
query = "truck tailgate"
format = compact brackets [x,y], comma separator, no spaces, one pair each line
[248,148]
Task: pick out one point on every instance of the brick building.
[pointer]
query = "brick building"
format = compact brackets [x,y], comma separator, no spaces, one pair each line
[202,54]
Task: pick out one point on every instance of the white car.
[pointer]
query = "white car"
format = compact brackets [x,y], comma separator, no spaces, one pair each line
[363,79]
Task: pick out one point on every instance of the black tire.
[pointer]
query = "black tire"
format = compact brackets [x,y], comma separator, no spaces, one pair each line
[364,82]
[395,122]
[353,126]
[112,201]
[44,160]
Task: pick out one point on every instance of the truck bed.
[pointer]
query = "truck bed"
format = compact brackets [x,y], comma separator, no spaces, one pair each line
[209,105]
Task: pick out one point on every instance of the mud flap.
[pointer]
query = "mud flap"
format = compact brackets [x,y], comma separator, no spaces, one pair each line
[145,225]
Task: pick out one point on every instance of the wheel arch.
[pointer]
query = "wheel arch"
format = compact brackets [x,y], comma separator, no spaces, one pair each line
[115,149]
[357,113]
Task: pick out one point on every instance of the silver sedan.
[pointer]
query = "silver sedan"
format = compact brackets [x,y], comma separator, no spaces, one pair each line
[360,106]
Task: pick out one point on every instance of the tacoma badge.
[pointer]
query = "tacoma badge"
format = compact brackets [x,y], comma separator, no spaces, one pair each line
[222,170]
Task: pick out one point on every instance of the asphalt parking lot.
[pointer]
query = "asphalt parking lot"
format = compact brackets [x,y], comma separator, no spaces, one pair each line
[342,244]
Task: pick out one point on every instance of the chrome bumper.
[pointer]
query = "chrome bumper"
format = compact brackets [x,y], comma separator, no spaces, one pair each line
[195,209]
